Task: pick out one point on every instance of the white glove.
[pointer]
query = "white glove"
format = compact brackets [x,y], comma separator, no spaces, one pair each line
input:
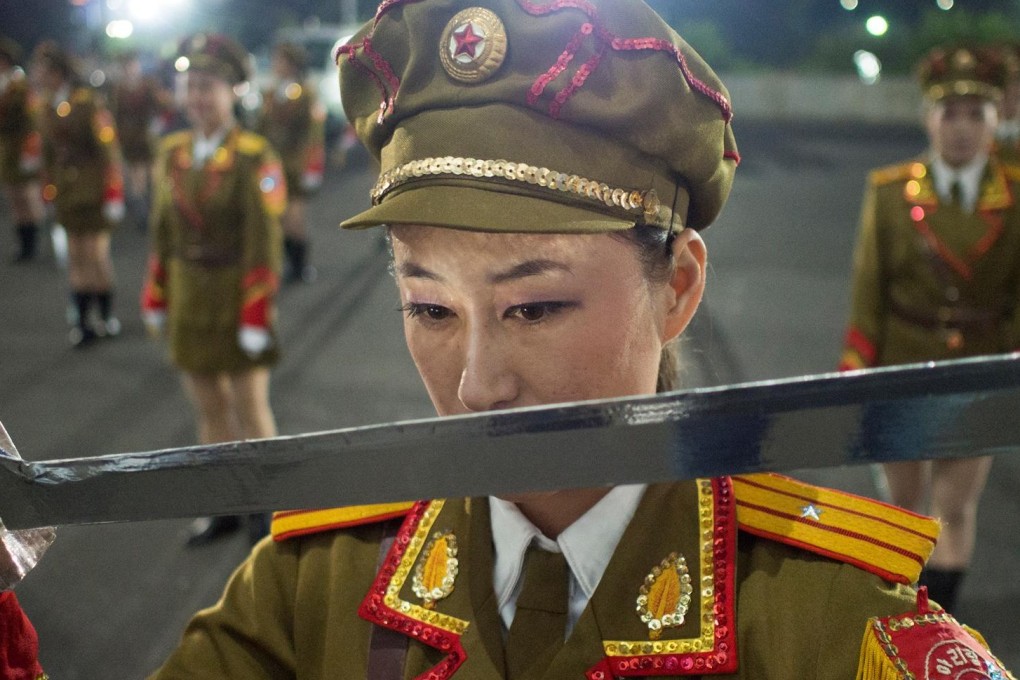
[114,211]
[154,320]
[254,340]
[310,181]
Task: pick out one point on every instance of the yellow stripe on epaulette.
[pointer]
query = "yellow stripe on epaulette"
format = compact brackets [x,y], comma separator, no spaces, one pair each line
[882,539]
[251,144]
[894,173]
[175,139]
[303,522]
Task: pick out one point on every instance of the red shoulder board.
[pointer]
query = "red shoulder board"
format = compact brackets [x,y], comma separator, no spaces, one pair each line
[926,644]
[303,522]
[880,538]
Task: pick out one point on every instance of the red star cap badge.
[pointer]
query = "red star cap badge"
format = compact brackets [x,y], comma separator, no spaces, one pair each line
[467,41]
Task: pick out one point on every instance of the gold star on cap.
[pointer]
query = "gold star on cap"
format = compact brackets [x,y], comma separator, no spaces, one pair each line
[473,45]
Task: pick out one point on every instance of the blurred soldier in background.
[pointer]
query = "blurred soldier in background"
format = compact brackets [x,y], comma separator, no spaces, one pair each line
[136,104]
[84,181]
[213,272]
[935,276]
[20,151]
[294,123]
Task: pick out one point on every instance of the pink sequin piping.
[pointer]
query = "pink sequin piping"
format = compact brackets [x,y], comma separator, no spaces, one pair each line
[389,84]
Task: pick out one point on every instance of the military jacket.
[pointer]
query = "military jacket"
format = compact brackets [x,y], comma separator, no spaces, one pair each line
[135,108]
[931,281]
[294,122]
[217,247]
[82,160]
[782,580]
[20,143]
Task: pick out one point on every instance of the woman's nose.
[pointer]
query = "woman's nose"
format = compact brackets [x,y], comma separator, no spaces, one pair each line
[488,380]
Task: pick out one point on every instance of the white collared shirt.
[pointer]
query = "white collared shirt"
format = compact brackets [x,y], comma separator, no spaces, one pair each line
[588,544]
[969,176]
[205,147]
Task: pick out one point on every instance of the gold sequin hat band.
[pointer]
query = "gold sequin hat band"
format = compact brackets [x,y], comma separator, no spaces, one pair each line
[505,182]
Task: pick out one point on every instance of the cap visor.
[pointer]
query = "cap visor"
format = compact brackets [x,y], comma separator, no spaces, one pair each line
[475,209]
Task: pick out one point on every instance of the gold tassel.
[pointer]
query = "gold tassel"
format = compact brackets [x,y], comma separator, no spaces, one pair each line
[874,663]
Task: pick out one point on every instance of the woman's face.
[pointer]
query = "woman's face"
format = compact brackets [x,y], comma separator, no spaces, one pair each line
[960,128]
[208,100]
[506,320]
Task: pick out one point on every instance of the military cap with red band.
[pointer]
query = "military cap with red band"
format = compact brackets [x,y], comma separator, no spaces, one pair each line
[552,116]
[961,70]
[216,53]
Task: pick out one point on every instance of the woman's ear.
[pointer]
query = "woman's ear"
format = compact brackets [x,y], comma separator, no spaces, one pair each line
[687,284]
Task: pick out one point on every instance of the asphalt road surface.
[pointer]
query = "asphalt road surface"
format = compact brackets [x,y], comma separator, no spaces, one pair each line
[111,601]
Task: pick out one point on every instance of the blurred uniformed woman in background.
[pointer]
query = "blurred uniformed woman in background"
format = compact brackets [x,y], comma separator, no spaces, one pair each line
[936,275]
[216,256]
[20,150]
[294,123]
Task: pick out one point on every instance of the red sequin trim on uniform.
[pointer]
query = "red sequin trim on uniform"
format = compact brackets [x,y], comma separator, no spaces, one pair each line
[374,610]
[859,342]
[722,658]
[961,265]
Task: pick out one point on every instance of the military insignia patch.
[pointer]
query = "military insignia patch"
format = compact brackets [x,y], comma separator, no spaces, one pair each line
[473,45]
[926,644]
[665,595]
[437,569]
[273,188]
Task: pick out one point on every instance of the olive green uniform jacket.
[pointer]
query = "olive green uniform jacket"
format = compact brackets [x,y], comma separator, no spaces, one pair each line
[18,134]
[82,161]
[785,580]
[217,248]
[931,281]
[135,108]
[295,124]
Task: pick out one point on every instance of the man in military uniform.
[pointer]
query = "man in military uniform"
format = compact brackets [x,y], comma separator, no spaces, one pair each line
[935,275]
[294,122]
[20,150]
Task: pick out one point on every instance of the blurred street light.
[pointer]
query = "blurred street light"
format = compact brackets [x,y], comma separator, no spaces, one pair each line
[120,29]
[877,25]
[869,68]
[848,5]
[944,4]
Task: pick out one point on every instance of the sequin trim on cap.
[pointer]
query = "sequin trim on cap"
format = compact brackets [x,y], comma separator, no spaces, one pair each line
[645,204]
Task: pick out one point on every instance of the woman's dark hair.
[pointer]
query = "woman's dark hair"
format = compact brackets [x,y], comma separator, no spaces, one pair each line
[655,250]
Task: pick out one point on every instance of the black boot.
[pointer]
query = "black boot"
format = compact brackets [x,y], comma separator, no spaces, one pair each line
[943,585]
[297,270]
[109,324]
[27,241]
[82,334]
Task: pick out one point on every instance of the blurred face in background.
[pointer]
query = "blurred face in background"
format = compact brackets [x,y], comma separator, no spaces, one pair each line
[208,100]
[961,128]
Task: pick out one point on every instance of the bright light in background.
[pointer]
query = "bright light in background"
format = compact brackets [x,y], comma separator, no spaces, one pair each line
[944,4]
[120,28]
[848,5]
[869,68]
[182,64]
[143,11]
[877,25]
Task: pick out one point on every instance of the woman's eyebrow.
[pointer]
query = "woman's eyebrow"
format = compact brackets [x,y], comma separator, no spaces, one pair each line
[410,270]
[529,268]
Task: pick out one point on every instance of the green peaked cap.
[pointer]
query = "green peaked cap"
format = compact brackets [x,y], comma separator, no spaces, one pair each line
[541,116]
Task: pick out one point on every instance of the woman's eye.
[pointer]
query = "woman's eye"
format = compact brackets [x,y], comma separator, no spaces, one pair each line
[536,311]
[426,311]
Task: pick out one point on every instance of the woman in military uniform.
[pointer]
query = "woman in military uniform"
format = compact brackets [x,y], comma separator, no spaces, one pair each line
[215,262]
[294,123]
[137,105]
[84,181]
[935,275]
[20,150]
[543,205]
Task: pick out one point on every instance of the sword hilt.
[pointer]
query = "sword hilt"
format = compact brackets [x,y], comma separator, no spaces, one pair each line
[20,550]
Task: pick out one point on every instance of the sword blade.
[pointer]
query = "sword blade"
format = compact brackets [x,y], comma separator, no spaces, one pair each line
[926,411]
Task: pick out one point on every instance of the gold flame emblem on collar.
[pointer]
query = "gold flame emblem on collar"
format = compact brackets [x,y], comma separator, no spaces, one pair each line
[436,571]
[665,596]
